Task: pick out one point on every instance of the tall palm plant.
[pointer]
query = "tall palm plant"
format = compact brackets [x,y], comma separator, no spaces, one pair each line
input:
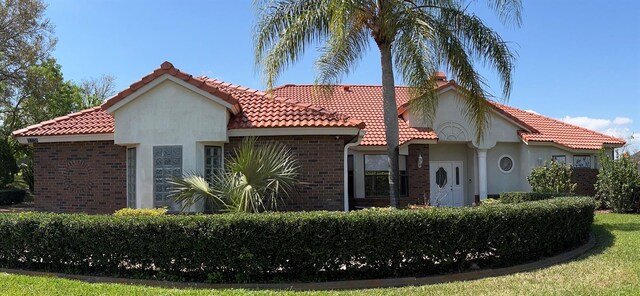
[254,179]
[414,38]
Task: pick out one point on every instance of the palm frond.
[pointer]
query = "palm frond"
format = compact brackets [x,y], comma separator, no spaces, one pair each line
[481,42]
[192,188]
[509,11]
[283,31]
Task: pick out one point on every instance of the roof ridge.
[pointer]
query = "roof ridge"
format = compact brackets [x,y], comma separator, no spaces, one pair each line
[334,85]
[565,123]
[54,120]
[168,68]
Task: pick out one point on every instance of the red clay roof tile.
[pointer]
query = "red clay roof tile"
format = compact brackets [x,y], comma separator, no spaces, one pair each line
[365,102]
[85,122]
[300,106]
[168,68]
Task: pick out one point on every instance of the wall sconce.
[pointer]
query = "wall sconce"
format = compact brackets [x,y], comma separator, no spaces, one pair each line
[419,160]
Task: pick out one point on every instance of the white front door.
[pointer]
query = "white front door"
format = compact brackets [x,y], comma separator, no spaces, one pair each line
[446,183]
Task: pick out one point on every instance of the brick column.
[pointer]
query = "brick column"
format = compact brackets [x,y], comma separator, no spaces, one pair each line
[418,176]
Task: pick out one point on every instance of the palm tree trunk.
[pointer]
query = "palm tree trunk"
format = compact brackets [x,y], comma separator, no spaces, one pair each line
[390,122]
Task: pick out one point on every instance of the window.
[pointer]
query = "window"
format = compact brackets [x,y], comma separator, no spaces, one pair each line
[582,161]
[441,177]
[350,176]
[561,159]
[212,161]
[376,175]
[167,162]
[131,178]
[505,164]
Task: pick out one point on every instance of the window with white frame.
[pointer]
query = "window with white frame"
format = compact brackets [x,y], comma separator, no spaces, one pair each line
[212,161]
[131,178]
[560,159]
[167,163]
[506,164]
[376,176]
[582,161]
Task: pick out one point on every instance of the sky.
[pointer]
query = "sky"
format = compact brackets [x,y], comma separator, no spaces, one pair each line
[577,61]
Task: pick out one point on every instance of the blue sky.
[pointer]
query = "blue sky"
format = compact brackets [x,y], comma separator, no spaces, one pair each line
[578,61]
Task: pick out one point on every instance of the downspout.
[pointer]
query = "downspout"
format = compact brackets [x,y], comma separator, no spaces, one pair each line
[345,170]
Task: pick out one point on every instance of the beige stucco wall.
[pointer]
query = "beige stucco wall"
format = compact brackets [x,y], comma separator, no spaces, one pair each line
[450,118]
[499,181]
[169,114]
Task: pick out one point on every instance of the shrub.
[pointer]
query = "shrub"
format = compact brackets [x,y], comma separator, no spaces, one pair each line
[518,197]
[140,212]
[295,246]
[618,185]
[255,179]
[552,177]
[11,196]
[8,166]
[490,202]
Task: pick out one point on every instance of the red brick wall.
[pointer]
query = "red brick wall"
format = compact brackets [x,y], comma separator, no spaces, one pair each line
[585,178]
[321,171]
[418,177]
[88,177]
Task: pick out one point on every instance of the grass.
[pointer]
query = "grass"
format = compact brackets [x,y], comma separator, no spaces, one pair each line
[612,267]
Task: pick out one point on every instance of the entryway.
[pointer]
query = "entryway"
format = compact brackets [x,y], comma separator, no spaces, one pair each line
[446,178]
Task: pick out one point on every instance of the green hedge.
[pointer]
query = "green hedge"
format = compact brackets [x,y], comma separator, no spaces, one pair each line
[11,196]
[518,197]
[302,246]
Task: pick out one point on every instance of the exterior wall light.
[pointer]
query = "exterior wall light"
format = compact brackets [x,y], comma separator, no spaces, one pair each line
[420,161]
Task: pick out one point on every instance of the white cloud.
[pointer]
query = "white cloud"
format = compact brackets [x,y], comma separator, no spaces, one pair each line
[587,122]
[622,121]
[616,128]
[532,111]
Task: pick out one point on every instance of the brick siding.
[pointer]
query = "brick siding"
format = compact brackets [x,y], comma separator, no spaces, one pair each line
[585,178]
[79,177]
[321,171]
[419,185]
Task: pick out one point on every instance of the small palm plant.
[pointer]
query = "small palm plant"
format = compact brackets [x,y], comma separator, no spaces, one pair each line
[255,179]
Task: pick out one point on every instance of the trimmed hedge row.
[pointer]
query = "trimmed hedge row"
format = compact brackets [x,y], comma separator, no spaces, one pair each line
[11,196]
[518,197]
[302,246]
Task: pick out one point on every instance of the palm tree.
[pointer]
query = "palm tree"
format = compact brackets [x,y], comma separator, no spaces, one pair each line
[255,179]
[414,38]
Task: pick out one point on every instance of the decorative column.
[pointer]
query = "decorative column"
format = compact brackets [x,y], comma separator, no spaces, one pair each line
[482,174]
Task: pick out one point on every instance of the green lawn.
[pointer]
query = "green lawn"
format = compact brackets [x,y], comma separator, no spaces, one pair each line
[611,268]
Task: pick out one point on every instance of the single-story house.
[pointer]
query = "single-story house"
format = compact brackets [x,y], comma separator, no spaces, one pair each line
[168,123]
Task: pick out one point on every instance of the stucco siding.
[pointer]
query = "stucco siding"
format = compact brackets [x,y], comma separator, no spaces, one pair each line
[499,181]
[169,114]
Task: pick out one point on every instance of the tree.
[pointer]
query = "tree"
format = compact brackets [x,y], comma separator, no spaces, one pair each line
[26,40]
[414,39]
[97,90]
[8,166]
[618,184]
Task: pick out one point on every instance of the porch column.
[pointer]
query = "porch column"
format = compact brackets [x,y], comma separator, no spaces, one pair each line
[482,174]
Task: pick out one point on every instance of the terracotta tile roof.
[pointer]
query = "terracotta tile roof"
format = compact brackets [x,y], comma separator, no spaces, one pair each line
[299,106]
[168,68]
[365,102]
[258,110]
[551,130]
[86,122]
[262,110]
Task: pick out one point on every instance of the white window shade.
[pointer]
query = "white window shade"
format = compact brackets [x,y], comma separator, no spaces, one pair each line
[381,163]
